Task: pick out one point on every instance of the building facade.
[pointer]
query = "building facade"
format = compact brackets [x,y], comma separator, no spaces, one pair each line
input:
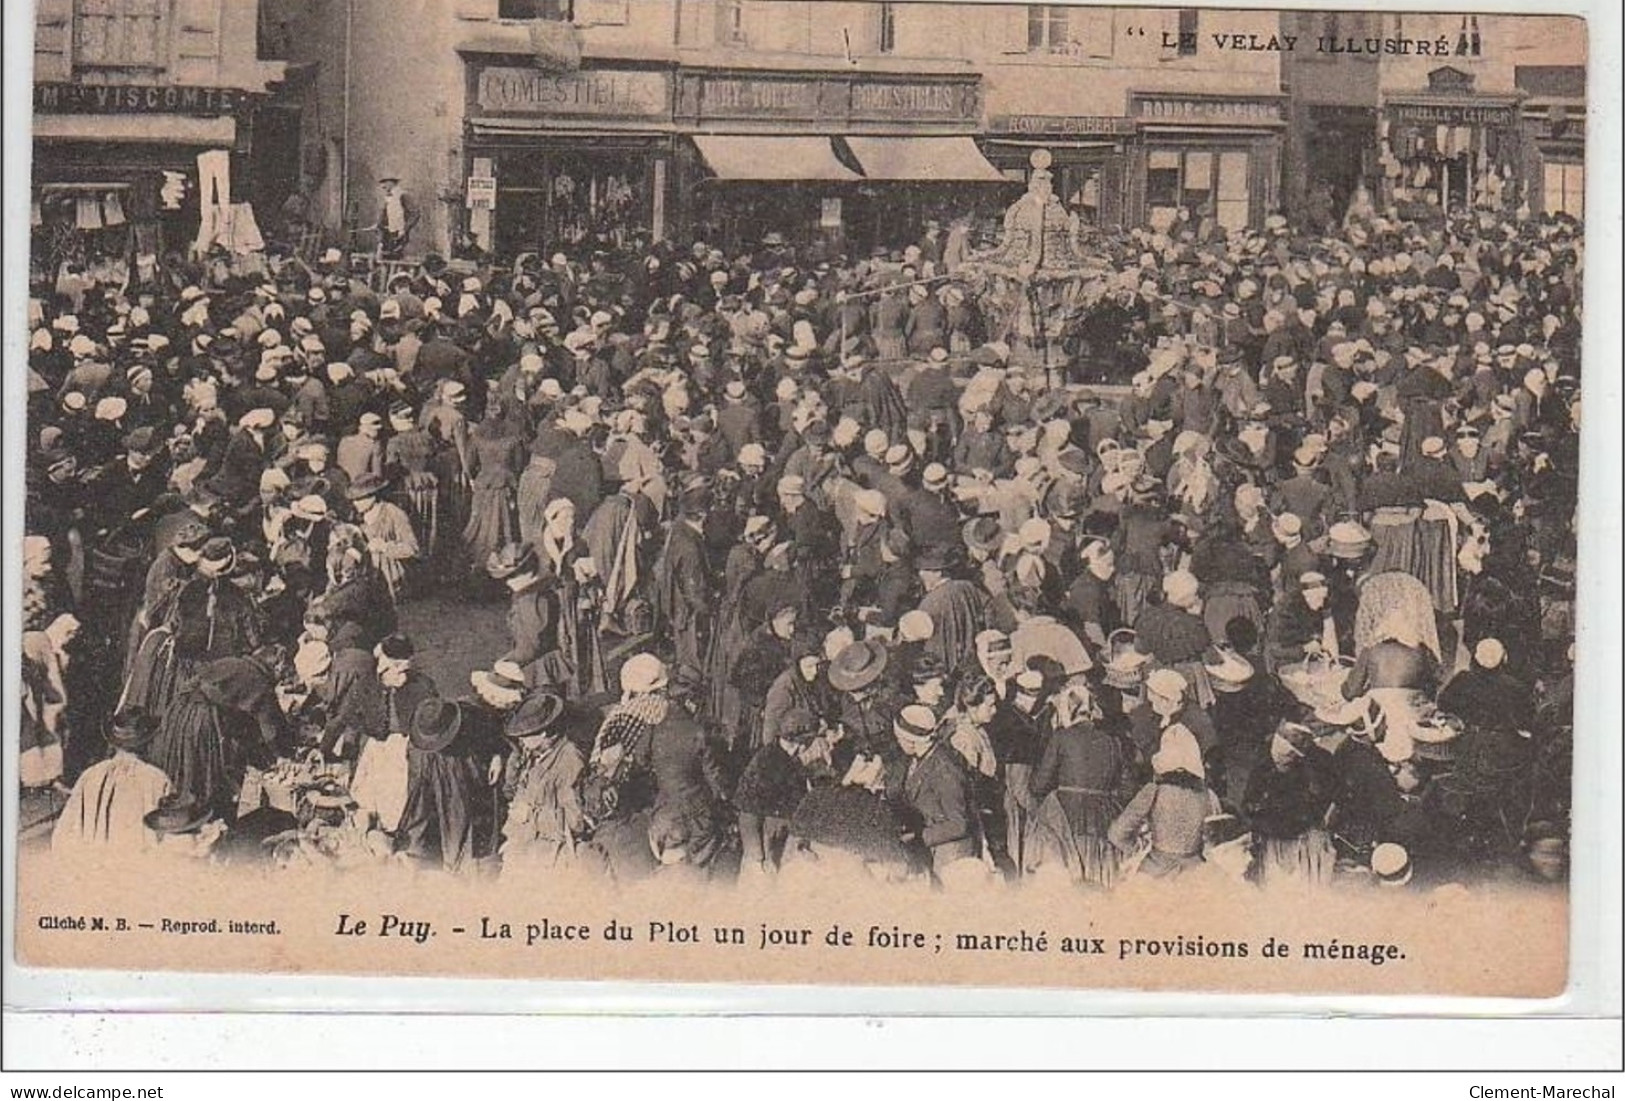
[1434,111]
[1151,114]
[127,94]
[532,124]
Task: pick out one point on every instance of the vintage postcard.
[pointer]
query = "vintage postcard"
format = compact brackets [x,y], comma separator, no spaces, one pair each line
[1004,495]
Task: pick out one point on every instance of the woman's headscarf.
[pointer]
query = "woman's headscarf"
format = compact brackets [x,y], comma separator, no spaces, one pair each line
[1178,753]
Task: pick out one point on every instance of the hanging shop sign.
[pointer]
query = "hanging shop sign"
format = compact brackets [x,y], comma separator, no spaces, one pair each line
[1061,126]
[592,93]
[829,213]
[137,99]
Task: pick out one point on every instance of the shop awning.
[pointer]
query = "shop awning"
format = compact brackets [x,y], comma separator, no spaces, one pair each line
[742,157]
[216,133]
[926,159]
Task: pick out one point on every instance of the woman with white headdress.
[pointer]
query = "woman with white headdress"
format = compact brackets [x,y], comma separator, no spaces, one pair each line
[1165,819]
[45,701]
[1077,788]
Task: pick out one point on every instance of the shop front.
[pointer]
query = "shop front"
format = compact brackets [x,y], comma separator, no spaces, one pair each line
[1340,152]
[1204,159]
[116,172]
[1089,158]
[566,159]
[1450,147]
[843,162]
[1554,128]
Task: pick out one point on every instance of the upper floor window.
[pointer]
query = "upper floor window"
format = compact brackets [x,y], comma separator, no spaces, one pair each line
[887,39]
[1048,28]
[1189,18]
[124,34]
[558,11]
[731,28]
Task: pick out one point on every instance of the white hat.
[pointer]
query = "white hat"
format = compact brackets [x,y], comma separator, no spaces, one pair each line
[644,673]
[1180,588]
[915,721]
[1287,525]
[312,506]
[1433,447]
[81,346]
[111,408]
[935,476]
[868,502]
[389,309]
[1034,534]
[1391,864]
[916,626]
[1489,653]
[752,454]
[1168,683]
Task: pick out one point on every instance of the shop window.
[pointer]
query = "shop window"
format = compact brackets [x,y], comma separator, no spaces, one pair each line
[118,34]
[1233,210]
[886,41]
[731,28]
[1048,29]
[1162,178]
[1202,182]
[1563,189]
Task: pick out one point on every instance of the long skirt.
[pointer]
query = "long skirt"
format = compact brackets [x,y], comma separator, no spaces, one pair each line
[450,514]
[40,763]
[1133,590]
[491,523]
[1305,861]
[726,705]
[1436,562]
[1069,835]
[1393,541]
[156,674]
[423,507]
[193,749]
[380,779]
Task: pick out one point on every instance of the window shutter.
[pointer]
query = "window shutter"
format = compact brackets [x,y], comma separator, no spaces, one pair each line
[53,40]
[197,41]
[600,13]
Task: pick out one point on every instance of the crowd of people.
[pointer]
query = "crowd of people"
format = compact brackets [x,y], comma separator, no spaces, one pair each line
[807,568]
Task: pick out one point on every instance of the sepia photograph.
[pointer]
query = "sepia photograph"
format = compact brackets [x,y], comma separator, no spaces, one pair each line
[802,492]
